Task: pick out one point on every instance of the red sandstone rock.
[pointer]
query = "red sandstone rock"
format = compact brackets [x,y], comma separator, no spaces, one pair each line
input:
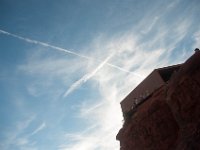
[170,118]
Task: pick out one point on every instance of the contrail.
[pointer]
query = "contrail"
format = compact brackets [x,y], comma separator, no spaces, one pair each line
[122,69]
[41,127]
[65,50]
[44,44]
[85,78]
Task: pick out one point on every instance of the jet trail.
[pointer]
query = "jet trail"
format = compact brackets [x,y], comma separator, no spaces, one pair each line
[124,70]
[44,44]
[64,50]
[85,78]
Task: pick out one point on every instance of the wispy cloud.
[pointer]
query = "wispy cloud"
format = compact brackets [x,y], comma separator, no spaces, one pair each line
[151,25]
[59,49]
[142,57]
[13,137]
[113,85]
[142,41]
[24,124]
[86,77]
[19,138]
[41,127]
[196,37]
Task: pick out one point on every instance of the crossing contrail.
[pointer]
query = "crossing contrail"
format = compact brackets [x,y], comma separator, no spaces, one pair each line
[44,44]
[65,50]
[85,78]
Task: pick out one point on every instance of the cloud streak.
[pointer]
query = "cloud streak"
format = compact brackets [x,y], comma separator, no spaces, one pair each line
[106,112]
[44,44]
[63,50]
[91,122]
[41,127]
[85,78]
[13,136]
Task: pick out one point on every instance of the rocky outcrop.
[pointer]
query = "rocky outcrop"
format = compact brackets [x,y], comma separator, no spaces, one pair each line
[170,118]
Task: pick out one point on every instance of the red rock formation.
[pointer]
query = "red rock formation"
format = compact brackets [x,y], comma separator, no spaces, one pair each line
[170,118]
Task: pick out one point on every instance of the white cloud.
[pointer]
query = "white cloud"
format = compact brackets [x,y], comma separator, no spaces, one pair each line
[22,141]
[196,37]
[85,78]
[39,128]
[151,25]
[173,4]
[136,57]
[13,136]
[105,114]
[148,45]
[56,48]
[24,124]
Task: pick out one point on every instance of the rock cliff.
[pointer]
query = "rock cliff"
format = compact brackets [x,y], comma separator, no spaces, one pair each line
[170,118]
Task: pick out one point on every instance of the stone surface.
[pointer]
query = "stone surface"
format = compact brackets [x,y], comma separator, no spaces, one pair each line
[170,118]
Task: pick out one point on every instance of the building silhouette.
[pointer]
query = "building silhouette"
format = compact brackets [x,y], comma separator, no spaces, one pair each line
[153,81]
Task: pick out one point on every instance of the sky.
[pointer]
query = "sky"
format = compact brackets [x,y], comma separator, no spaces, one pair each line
[66,65]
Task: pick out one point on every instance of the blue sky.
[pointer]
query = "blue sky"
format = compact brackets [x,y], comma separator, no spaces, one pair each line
[65,65]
